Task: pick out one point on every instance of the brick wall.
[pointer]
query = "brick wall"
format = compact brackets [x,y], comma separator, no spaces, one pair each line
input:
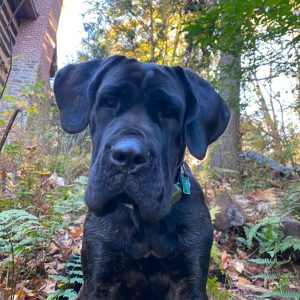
[34,48]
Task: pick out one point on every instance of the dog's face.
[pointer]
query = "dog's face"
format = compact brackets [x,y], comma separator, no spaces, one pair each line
[141,117]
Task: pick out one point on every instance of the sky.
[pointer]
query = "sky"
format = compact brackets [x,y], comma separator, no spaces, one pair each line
[70,31]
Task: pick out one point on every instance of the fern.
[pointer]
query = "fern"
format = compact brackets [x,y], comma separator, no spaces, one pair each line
[282,294]
[283,280]
[273,276]
[269,236]
[290,242]
[20,232]
[290,203]
[251,231]
[74,277]
[21,236]
[262,261]
[68,293]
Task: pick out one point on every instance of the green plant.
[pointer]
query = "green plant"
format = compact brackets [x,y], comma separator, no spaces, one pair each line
[66,282]
[283,280]
[282,294]
[291,203]
[67,205]
[214,290]
[28,159]
[269,236]
[21,240]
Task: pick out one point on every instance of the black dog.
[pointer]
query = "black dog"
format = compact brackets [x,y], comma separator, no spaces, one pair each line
[139,242]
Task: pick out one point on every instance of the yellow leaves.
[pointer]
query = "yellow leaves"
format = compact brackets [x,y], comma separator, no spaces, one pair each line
[27,106]
[11,186]
[7,113]
[145,47]
[33,109]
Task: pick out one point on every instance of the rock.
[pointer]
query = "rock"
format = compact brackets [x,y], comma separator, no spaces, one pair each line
[247,206]
[291,227]
[229,215]
[236,210]
[54,180]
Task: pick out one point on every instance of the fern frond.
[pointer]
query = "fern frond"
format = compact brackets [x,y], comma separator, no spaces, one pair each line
[76,280]
[273,276]
[282,294]
[68,294]
[262,261]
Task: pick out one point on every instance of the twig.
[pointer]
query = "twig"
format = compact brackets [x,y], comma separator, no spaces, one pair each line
[8,127]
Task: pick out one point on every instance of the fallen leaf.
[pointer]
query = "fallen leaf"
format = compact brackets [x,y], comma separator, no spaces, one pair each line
[239,266]
[224,259]
[20,295]
[243,281]
[77,233]
[49,286]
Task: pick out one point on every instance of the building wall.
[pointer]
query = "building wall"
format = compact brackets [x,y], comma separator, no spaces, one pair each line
[35,46]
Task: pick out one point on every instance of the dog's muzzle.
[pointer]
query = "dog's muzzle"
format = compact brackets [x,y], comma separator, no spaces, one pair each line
[129,173]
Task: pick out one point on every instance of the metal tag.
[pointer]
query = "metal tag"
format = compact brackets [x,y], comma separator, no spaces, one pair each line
[186,185]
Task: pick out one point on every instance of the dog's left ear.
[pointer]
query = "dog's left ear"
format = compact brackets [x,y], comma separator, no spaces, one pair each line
[207,114]
[74,88]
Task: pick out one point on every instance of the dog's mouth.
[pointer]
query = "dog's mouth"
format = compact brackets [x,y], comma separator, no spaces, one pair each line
[151,205]
[121,200]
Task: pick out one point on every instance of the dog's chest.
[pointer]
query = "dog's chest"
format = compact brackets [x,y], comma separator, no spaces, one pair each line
[147,278]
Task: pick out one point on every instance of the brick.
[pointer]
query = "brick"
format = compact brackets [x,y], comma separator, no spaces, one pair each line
[34,47]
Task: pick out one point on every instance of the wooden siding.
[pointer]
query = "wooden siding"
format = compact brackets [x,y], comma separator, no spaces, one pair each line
[9,27]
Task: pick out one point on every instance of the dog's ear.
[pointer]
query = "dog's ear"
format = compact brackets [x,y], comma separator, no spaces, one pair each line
[74,89]
[207,114]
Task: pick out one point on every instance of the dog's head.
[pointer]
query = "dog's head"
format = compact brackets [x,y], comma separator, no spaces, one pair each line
[141,118]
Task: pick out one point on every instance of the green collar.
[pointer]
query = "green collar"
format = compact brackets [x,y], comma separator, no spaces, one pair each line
[182,186]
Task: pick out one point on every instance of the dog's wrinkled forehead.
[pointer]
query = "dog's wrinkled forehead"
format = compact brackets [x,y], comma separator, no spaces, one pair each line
[143,79]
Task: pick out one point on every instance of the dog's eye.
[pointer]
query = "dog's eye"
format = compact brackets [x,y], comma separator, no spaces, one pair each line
[111,102]
[168,111]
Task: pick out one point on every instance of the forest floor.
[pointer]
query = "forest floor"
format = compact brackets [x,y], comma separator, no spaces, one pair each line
[232,273]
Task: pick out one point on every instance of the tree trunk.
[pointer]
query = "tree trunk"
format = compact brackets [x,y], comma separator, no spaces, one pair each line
[152,44]
[225,154]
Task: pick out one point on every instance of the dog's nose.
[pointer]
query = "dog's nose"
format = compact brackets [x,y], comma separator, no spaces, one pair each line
[129,154]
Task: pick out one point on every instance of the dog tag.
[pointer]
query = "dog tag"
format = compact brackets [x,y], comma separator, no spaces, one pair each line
[176,193]
[186,185]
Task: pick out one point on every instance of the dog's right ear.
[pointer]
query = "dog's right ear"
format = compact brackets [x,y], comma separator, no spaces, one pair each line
[73,89]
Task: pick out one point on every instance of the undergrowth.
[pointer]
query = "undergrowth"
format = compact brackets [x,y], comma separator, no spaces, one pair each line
[70,282]
[35,201]
[22,241]
[268,238]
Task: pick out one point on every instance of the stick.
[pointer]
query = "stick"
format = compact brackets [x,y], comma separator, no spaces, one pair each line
[8,127]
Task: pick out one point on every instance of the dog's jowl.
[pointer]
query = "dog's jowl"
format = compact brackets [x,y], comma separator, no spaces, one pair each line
[148,233]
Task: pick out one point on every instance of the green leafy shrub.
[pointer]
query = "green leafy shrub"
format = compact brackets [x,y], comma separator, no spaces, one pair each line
[21,240]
